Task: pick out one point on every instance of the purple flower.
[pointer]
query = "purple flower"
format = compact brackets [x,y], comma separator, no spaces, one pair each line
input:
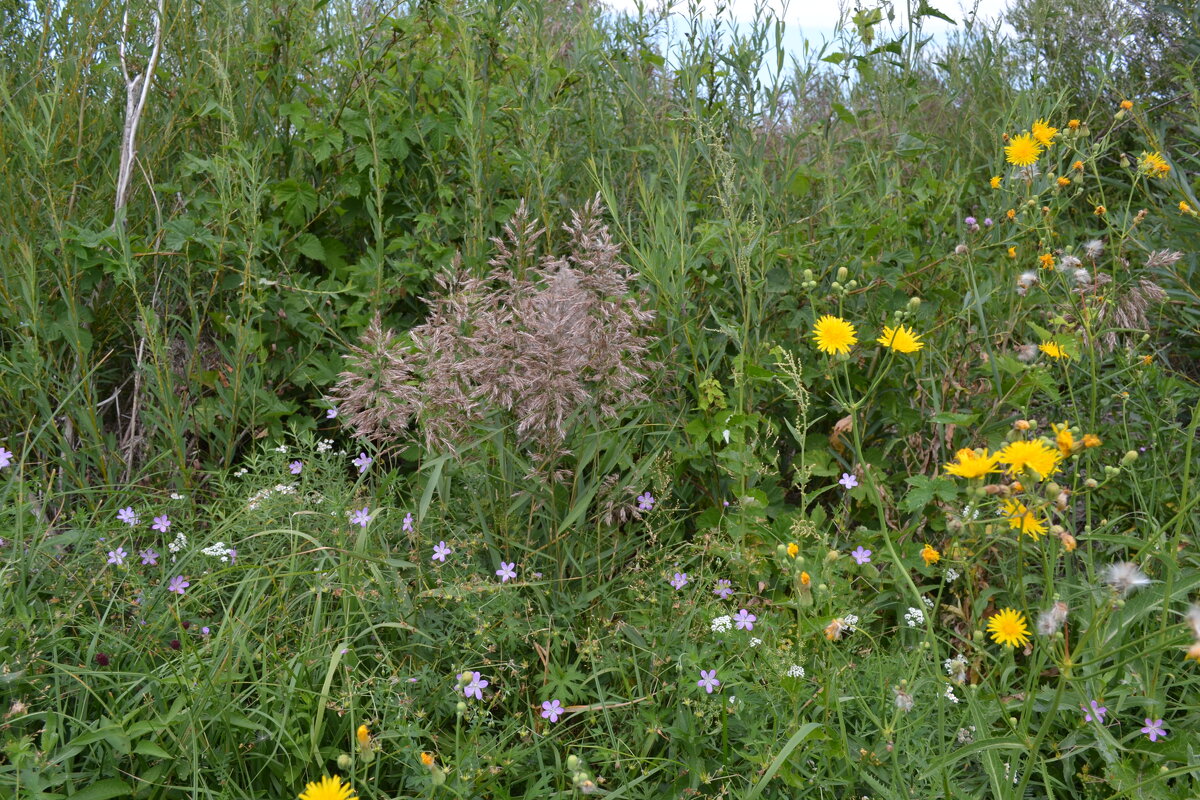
[507,571]
[744,620]
[680,580]
[161,523]
[970,221]
[861,555]
[646,501]
[475,687]
[117,556]
[440,551]
[407,525]
[331,413]
[1096,714]
[552,710]
[708,680]
[362,462]
[724,589]
[5,457]
[848,480]
[232,555]
[988,221]
[149,557]
[178,584]
[205,631]
[128,516]
[295,467]
[1154,729]
[361,517]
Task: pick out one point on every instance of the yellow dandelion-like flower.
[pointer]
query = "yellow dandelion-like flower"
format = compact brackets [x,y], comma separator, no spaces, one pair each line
[1053,350]
[792,549]
[972,464]
[427,759]
[1064,181]
[1009,628]
[995,181]
[328,788]
[805,579]
[834,335]
[1154,165]
[1126,105]
[1022,519]
[1064,439]
[364,735]
[1012,252]
[1184,208]
[1091,440]
[1073,124]
[930,556]
[1023,150]
[1036,455]
[1077,166]
[1046,261]
[1100,211]
[1044,132]
[900,339]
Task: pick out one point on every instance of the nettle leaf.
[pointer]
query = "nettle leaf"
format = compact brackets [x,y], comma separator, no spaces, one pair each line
[924,489]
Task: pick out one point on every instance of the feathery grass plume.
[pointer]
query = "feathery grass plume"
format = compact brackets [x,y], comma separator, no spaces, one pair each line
[376,395]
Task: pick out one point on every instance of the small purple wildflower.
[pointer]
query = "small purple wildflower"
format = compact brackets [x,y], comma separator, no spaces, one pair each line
[646,501]
[507,571]
[361,517]
[117,556]
[970,221]
[161,523]
[552,710]
[708,680]
[475,687]
[744,620]
[680,580]
[861,555]
[178,584]
[362,462]
[724,589]
[128,516]
[407,525]
[1154,729]
[988,221]
[5,457]
[296,467]
[331,413]
[848,480]
[149,557]
[1096,714]
[440,551]
[205,631]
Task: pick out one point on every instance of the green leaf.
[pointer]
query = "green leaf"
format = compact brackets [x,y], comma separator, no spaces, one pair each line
[150,749]
[924,489]
[310,246]
[954,418]
[926,10]
[102,790]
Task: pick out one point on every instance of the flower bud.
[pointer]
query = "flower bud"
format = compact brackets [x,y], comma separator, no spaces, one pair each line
[461,708]
[832,556]
[843,274]
[914,303]
[1129,457]
[573,763]
[344,762]
[1091,483]
[808,274]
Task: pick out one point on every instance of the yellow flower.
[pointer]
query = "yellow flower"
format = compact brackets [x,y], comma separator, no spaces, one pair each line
[1126,105]
[833,631]
[1154,165]
[1073,124]
[1184,208]
[900,339]
[1011,214]
[792,549]
[364,735]
[995,181]
[1036,455]
[1077,166]
[972,464]
[1068,542]
[1147,360]
[328,788]
[1023,150]
[1008,627]
[1100,211]
[1046,260]
[1012,252]
[1022,519]
[930,555]
[1091,440]
[834,335]
[1064,181]
[427,759]
[1053,350]
[805,579]
[1064,439]
[1044,133]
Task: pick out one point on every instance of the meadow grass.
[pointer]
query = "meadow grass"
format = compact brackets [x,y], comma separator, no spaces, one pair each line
[498,400]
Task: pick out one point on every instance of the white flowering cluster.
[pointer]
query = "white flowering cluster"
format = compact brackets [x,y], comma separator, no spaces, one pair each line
[755,641]
[279,488]
[218,550]
[966,735]
[722,624]
[951,575]
[850,621]
[914,617]
[281,449]
[795,671]
[325,445]
[285,488]
[178,544]
[956,668]
[928,601]
[953,698]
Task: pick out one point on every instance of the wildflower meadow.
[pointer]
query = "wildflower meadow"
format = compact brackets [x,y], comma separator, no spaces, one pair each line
[535,399]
